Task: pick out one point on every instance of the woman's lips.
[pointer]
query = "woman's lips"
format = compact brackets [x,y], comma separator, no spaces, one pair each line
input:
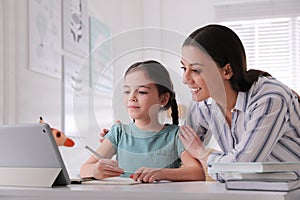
[195,90]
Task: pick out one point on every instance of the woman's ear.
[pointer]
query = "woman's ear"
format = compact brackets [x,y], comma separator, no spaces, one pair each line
[227,72]
[164,99]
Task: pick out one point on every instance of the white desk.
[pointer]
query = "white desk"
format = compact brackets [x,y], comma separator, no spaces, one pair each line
[158,191]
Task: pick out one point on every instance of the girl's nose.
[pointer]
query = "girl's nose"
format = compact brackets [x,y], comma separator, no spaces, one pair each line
[132,96]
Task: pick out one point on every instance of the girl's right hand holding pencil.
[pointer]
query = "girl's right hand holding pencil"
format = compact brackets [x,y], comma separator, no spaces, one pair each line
[106,168]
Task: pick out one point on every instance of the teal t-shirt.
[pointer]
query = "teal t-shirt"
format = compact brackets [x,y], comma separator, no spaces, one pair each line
[137,148]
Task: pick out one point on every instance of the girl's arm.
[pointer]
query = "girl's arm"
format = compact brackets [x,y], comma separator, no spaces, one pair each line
[103,168]
[191,170]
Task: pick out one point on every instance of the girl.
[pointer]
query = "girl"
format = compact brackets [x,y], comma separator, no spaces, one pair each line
[146,149]
[253,116]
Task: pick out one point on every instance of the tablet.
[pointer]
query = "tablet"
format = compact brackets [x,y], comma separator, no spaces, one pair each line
[31,146]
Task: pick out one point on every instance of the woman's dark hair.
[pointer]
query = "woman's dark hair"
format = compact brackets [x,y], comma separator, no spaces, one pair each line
[161,77]
[225,47]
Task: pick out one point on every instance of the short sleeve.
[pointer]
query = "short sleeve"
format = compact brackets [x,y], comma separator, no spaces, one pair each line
[114,135]
[179,145]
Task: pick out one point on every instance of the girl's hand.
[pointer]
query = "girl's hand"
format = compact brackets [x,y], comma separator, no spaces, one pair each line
[147,175]
[192,142]
[105,168]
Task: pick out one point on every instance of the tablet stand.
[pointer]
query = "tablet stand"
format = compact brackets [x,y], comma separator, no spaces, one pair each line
[28,177]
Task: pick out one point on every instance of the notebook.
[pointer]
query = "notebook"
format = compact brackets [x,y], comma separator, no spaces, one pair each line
[31,146]
[283,186]
[106,181]
[254,167]
[260,176]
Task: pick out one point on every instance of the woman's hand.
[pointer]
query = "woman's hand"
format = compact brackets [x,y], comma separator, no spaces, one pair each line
[105,168]
[193,144]
[102,134]
[105,131]
[147,175]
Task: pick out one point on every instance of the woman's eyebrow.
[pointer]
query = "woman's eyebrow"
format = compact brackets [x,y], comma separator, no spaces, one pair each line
[193,64]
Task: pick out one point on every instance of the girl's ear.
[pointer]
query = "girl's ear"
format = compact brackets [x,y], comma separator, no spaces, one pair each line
[164,99]
[227,72]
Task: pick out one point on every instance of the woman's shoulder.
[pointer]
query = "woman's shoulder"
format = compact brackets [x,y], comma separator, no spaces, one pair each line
[269,86]
[269,89]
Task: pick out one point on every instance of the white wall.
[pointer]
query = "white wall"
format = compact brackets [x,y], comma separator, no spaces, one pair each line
[2,63]
[26,95]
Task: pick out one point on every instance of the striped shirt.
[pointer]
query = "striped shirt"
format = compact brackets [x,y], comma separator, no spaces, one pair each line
[265,125]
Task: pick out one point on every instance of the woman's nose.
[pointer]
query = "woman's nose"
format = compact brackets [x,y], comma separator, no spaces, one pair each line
[187,79]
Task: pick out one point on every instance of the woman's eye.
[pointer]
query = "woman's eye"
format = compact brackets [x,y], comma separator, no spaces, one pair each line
[183,68]
[126,92]
[197,71]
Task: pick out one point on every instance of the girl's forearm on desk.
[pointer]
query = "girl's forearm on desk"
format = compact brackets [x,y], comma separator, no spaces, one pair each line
[189,173]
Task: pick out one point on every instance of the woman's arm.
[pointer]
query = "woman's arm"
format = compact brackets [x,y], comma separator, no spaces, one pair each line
[191,170]
[264,126]
[103,168]
[194,145]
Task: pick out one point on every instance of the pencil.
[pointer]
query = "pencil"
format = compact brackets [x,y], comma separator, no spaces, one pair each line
[97,155]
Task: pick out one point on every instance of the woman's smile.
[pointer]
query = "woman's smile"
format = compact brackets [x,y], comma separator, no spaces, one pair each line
[195,90]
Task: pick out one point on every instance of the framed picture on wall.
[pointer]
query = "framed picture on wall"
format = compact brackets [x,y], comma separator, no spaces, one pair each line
[75,27]
[75,97]
[101,69]
[45,37]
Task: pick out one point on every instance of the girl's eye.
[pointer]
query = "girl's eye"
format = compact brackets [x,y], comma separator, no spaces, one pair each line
[126,92]
[183,68]
[143,92]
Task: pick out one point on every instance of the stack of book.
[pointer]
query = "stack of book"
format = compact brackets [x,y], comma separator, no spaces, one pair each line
[267,176]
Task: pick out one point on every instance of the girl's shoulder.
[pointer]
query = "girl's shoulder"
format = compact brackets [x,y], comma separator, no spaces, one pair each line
[171,129]
[171,126]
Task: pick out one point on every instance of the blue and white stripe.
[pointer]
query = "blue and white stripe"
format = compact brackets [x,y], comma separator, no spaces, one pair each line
[265,125]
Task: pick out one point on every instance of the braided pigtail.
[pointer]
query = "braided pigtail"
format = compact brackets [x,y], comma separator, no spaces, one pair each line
[174,111]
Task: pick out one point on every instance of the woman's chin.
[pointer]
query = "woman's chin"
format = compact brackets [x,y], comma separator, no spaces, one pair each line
[198,98]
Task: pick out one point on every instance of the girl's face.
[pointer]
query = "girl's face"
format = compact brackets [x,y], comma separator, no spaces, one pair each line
[141,96]
[200,73]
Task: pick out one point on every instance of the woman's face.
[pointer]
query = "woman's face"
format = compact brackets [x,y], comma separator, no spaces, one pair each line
[200,73]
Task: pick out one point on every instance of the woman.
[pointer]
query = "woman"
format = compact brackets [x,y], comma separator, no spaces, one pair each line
[252,116]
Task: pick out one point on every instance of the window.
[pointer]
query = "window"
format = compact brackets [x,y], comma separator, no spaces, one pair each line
[271,39]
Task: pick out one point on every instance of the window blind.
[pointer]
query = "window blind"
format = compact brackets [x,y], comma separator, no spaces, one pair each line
[272,42]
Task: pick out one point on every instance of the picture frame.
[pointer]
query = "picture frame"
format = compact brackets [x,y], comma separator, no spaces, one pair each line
[75,97]
[76,27]
[45,37]
[101,69]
